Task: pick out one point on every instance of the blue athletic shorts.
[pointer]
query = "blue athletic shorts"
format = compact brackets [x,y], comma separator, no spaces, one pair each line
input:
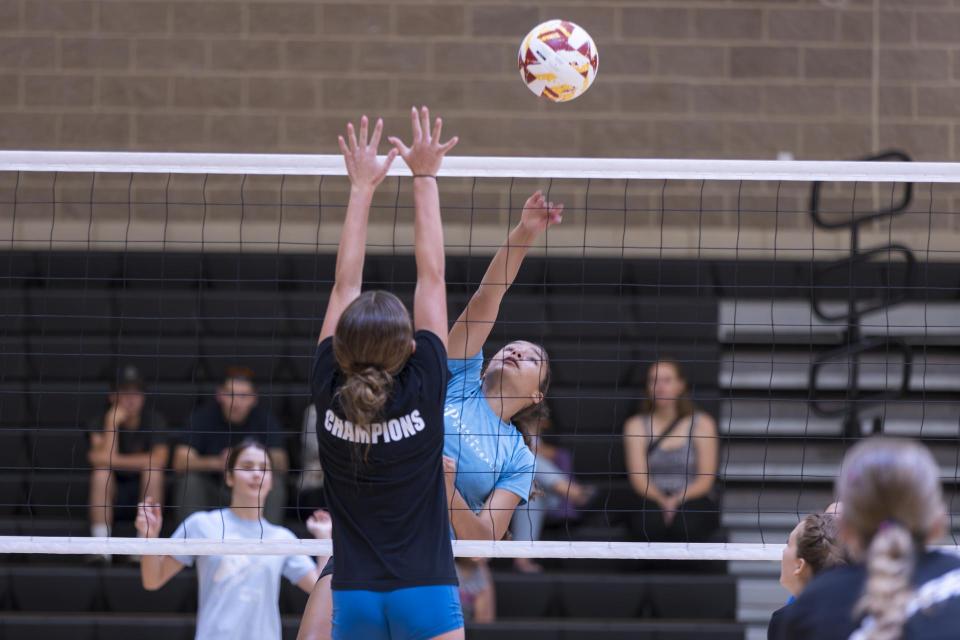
[415,613]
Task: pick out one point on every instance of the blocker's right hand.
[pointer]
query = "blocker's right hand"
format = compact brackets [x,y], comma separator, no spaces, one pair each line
[149,518]
[425,154]
[360,155]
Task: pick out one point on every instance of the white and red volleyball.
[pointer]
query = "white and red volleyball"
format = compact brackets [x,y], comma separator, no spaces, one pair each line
[558,60]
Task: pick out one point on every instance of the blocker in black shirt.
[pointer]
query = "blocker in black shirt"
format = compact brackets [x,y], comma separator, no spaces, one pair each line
[825,608]
[385,489]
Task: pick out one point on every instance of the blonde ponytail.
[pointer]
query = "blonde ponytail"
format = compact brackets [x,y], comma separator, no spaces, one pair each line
[890,562]
[892,504]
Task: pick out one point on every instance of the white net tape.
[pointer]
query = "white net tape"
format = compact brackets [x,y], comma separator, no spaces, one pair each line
[488,167]
[462,548]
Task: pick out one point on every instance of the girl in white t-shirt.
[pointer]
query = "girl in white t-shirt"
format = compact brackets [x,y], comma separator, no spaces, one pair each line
[238,594]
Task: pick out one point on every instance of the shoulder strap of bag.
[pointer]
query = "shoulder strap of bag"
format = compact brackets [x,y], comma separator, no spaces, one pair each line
[660,438]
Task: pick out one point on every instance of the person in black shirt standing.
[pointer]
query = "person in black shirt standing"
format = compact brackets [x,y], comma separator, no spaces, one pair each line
[379,383]
[892,509]
[199,458]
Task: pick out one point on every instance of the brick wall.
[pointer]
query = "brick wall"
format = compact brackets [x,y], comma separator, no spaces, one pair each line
[678,78]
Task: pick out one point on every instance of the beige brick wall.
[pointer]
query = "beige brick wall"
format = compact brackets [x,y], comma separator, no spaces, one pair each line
[678,78]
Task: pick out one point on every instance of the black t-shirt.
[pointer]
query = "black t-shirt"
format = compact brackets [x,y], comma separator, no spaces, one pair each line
[209,432]
[151,432]
[825,608]
[390,523]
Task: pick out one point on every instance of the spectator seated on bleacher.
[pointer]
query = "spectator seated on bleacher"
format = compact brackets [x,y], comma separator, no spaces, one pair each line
[128,454]
[671,453]
[310,487]
[478,596]
[558,495]
[200,455]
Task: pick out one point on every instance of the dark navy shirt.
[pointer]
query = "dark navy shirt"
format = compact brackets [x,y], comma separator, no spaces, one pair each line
[384,485]
[825,608]
[209,432]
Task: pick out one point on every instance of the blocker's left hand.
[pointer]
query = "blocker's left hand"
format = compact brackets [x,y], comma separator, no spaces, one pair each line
[365,169]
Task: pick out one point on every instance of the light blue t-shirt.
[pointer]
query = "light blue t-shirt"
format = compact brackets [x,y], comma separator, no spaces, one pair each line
[239,595]
[490,453]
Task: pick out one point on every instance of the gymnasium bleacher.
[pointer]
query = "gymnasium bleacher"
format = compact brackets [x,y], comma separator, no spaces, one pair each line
[68,320]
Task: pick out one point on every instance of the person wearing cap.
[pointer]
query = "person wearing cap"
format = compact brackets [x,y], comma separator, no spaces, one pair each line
[200,454]
[128,453]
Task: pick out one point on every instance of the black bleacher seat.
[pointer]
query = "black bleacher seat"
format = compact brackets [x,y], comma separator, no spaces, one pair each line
[154,312]
[527,596]
[602,596]
[716,597]
[508,631]
[10,526]
[160,359]
[242,313]
[593,410]
[308,271]
[65,311]
[5,604]
[11,492]
[31,525]
[608,630]
[14,358]
[305,312]
[19,267]
[45,628]
[593,454]
[95,268]
[300,359]
[58,448]
[265,356]
[13,311]
[14,460]
[55,589]
[57,358]
[14,405]
[64,403]
[157,629]
[123,592]
[248,270]
[13,449]
[293,600]
[624,366]
[175,407]
[60,494]
[173,270]
[396,274]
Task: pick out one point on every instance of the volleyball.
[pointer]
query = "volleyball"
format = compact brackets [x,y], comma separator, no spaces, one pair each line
[558,60]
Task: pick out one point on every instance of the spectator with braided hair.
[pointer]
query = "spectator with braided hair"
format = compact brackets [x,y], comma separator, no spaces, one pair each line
[898,588]
[813,545]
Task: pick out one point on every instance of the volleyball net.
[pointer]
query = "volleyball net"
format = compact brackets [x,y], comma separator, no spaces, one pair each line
[805,304]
